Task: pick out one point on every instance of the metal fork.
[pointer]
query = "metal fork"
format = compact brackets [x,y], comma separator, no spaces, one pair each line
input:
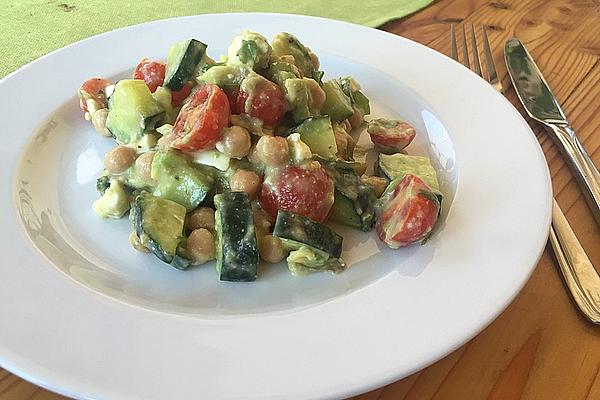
[577,270]
[492,75]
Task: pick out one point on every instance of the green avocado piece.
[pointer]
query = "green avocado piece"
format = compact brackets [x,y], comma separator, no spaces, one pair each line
[179,180]
[337,105]
[397,165]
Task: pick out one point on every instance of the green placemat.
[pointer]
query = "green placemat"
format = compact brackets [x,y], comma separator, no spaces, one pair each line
[32,28]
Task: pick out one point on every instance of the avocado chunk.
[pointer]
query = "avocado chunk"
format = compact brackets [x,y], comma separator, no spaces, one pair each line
[286,44]
[225,76]
[397,165]
[299,98]
[179,180]
[114,202]
[251,49]
[337,105]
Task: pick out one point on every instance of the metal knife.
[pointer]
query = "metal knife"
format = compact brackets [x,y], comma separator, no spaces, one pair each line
[579,274]
[541,105]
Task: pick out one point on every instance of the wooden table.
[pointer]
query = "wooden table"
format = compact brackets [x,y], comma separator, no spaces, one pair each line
[540,347]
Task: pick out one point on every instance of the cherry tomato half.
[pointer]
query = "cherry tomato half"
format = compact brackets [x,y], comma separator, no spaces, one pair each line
[308,192]
[267,103]
[151,72]
[94,89]
[410,214]
[232,95]
[201,120]
[391,136]
[180,95]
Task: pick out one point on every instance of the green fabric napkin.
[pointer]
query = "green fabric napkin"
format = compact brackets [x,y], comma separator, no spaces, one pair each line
[32,28]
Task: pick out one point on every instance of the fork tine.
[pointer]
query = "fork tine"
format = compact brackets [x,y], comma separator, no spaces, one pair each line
[465,51]
[453,50]
[477,64]
[489,60]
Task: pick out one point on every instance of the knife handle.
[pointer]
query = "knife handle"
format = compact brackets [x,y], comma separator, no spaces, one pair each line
[579,274]
[585,171]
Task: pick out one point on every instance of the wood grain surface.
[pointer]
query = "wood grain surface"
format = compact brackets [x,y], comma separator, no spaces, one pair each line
[540,348]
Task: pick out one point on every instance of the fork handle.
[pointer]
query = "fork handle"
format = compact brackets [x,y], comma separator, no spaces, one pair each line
[579,274]
[585,171]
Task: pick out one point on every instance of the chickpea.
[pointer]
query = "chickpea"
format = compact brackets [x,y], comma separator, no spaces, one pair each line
[262,225]
[272,150]
[235,142]
[144,165]
[271,249]
[245,181]
[253,155]
[201,246]
[377,183]
[119,159]
[99,121]
[201,217]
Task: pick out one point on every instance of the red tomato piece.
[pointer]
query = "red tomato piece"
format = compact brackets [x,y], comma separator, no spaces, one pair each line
[180,95]
[391,136]
[267,103]
[151,72]
[232,95]
[308,192]
[409,215]
[201,120]
[93,89]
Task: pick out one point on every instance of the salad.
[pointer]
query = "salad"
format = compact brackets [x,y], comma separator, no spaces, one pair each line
[247,158]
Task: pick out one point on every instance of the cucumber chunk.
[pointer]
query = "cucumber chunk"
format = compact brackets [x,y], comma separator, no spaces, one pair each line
[296,231]
[237,248]
[182,60]
[158,223]
[317,133]
[315,247]
[348,184]
[343,212]
[133,111]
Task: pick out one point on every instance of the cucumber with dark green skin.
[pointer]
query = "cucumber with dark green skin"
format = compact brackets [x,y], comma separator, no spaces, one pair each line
[298,230]
[133,111]
[182,60]
[317,133]
[159,223]
[348,184]
[237,248]
[343,212]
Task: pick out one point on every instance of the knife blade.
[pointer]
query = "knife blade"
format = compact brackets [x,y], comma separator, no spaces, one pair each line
[541,105]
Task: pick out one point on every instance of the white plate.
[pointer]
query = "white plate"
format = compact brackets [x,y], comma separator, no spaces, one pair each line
[85,315]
